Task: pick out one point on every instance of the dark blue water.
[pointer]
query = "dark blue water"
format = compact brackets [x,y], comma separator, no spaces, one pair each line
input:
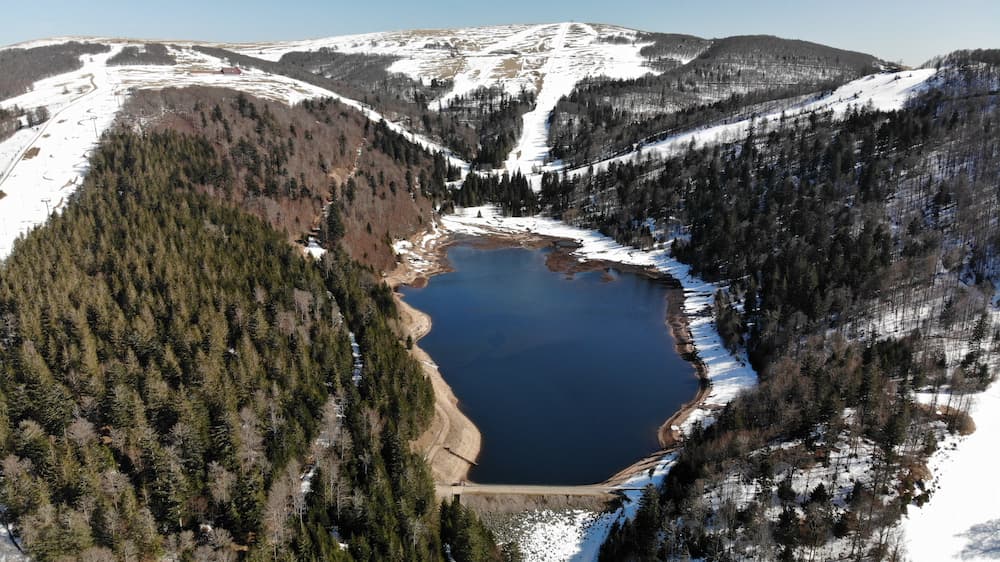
[567,378]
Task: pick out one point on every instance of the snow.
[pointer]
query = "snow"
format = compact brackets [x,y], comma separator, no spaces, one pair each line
[962,519]
[314,249]
[574,54]
[548,59]
[509,56]
[41,184]
[357,364]
[547,535]
[8,551]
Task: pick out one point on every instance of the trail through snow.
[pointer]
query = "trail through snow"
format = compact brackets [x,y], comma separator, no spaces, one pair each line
[557,81]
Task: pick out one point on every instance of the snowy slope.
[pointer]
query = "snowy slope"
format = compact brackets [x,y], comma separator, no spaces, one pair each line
[511,56]
[884,92]
[548,59]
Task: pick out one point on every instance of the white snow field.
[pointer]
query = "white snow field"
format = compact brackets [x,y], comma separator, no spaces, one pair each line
[41,167]
[962,519]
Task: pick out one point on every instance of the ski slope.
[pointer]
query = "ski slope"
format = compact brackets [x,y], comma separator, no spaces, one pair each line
[548,59]
[513,57]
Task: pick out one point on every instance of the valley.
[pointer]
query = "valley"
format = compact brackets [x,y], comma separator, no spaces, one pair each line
[810,231]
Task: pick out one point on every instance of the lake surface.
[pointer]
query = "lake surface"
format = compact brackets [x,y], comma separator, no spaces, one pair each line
[567,378]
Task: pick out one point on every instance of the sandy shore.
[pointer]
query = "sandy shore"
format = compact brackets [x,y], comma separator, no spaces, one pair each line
[452,440]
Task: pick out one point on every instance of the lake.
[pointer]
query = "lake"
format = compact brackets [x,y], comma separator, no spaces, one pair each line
[567,378]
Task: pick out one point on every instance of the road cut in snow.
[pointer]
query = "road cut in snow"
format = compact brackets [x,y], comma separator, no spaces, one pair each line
[577,535]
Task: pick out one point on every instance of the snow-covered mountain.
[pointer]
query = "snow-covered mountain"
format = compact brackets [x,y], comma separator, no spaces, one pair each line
[547,59]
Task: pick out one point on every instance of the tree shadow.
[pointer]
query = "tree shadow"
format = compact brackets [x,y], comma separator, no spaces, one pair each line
[983,541]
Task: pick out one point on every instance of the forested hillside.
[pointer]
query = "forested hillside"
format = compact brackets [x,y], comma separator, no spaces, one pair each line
[701,82]
[177,377]
[150,53]
[163,359]
[288,164]
[860,262]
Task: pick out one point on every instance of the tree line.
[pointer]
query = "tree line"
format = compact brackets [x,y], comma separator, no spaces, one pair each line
[21,68]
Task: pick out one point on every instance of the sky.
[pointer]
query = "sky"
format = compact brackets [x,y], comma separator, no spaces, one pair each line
[909,31]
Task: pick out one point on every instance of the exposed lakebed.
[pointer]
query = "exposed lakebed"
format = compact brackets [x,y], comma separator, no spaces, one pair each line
[567,377]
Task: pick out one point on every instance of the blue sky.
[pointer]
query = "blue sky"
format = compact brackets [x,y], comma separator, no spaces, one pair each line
[910,31]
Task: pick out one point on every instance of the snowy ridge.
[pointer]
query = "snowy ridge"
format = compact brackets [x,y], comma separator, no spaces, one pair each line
[509,56]
[882,92]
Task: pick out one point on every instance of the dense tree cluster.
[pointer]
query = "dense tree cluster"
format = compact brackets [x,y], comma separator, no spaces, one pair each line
[589,128]
[170,363]
[814,387]
[466,537]
[162,356]
[14,118]
[496,115]
[513,194]
[289,165]
[813,218]
[150,53]
[480,126]
[394,95]
[21,68]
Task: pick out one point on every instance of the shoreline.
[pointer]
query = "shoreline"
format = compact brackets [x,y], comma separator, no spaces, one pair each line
[452,440]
